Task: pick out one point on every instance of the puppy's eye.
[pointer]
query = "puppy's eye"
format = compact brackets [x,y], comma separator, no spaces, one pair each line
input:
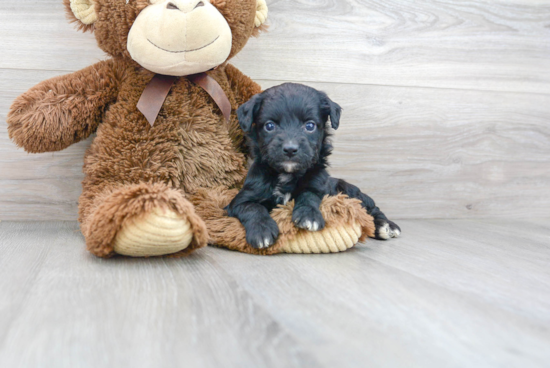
[310,126]
[269,126]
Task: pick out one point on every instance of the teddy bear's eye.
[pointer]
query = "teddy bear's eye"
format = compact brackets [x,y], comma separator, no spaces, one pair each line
[269,126]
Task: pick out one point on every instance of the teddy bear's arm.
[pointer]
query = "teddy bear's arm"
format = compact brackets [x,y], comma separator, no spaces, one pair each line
[243,87]
[63,110]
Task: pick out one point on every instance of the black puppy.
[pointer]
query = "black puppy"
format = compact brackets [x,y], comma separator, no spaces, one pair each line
[288,137]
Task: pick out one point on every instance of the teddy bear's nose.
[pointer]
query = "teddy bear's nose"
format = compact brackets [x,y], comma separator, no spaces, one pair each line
[185,6]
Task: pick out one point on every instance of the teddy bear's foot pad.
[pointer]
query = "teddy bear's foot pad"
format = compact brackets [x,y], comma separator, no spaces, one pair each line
[328,240]
[156,233]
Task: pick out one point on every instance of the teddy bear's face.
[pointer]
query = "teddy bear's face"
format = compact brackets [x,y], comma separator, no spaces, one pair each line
[180,37]
[172,37]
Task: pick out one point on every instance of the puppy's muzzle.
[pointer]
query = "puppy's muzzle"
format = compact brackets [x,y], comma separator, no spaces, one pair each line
[290,149]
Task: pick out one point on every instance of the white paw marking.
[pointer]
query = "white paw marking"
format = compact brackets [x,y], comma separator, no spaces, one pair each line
[384,231]
[395,233]
[267,242]
[315,226]
[308,225]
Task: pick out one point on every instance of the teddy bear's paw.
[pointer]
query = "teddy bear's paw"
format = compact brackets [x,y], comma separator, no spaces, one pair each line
[329,240]
[159,232]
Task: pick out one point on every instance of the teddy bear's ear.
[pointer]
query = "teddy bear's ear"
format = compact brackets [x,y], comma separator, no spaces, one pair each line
[261,13]
[82,12]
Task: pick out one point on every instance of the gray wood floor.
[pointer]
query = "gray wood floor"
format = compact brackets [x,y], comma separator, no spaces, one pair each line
[450,293]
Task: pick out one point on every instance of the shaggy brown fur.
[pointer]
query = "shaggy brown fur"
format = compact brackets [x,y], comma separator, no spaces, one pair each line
[113,206]
[228,232]
[132,167]
[64,110]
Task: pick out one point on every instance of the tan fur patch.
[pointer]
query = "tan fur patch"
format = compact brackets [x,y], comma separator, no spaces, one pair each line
[342,216]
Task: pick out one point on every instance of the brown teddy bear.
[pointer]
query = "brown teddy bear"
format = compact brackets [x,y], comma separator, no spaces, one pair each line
[169,153]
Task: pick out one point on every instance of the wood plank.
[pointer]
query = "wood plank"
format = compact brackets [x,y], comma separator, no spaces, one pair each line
[508,258]
[88,312]
[400,318]
[449,293]
[420,153]
[23,254]
[488,45]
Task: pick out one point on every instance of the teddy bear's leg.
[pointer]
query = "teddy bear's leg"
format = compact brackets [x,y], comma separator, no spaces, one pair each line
[347,224]
[140,220]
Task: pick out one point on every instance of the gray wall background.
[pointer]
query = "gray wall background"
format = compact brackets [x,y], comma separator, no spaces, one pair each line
[446,103]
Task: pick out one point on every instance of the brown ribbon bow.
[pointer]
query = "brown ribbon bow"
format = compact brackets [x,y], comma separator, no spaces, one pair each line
[157,89]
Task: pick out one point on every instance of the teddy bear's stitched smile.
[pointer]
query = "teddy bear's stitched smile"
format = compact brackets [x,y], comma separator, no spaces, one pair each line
[178,52]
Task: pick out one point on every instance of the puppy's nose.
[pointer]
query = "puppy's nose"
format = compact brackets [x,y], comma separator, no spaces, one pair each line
[290,149]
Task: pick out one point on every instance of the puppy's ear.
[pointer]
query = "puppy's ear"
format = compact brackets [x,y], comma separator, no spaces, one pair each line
[247,111]
[333,110]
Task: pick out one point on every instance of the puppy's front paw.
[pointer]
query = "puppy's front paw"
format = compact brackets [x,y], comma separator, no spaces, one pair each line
[262,233]
[386,229]
[309,218]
